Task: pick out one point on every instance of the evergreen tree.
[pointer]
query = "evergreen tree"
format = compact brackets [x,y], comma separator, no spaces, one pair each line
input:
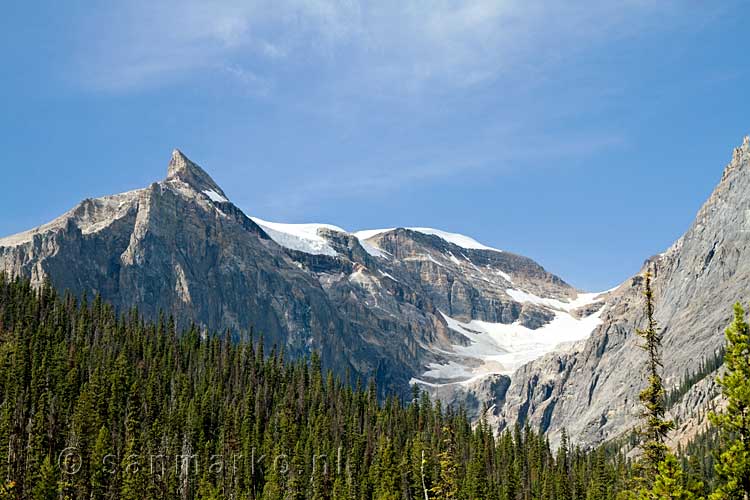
[46,486]
[99,473]
[669,483]
[733,466]
[655,426]
[446,487]
[562,482]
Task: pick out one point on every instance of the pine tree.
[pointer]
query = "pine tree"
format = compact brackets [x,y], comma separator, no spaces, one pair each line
[476,483]
[46,486]
[733,465]
[445,487]
[563,486]
[599,487]
[272,488]
[669,483]
[385,476]
[655,426]
[99,472]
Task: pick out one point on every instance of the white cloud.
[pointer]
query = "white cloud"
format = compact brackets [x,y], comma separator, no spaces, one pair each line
[252,82]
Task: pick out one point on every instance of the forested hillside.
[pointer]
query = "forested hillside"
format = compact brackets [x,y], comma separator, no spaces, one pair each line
[145,412]
[96,405]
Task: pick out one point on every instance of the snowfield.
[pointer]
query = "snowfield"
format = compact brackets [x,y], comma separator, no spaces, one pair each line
[494,348]
[497,348]
[300,237]
[580,301]
[215,197]
[304,237]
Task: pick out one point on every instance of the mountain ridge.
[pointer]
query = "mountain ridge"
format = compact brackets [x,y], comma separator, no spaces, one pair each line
[471,324]
[375,305]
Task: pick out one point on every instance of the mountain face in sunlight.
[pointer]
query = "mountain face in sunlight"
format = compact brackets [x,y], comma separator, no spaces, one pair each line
[471,324]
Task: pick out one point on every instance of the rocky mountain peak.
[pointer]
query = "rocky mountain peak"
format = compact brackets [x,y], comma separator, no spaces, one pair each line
[740,155]
[744,151]
[183,169]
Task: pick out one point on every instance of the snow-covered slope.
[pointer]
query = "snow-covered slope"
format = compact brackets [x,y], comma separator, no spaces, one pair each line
[473,324]
[300,237]
[305,237]
[583,299]
[498,348]
[482,344]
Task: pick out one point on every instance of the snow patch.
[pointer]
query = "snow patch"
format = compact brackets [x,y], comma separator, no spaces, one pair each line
[300,237]
[504,275]
[214,196]
[373,250]
[387,275]
[455,238]
[369,233]
[583,299]
[498,348]
[423,257]
[454,259]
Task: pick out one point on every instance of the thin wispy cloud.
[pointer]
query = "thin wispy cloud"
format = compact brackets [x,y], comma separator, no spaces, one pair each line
[392,46]
[379,177]
[359,66]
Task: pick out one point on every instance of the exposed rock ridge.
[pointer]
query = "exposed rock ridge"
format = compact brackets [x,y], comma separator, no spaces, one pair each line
[182,168]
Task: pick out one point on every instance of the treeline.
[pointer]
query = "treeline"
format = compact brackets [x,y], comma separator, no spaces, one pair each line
[96,405]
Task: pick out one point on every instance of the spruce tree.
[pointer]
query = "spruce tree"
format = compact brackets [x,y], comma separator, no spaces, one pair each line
[733,465]
[563,467]
[655,425]
[445,487]
[45,487]
[669,483]
[98,467]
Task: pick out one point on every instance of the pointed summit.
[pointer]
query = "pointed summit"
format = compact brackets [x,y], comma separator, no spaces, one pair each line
[178,162]
[182,168]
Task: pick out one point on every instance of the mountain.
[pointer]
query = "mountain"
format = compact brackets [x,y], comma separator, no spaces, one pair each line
[397,305]
[471,324]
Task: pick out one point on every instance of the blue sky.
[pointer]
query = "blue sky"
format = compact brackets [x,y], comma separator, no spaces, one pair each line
[585,137]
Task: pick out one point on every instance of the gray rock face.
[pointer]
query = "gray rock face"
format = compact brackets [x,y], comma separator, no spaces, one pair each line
[467,283]
[409,305]
[592,389]
[180,246]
